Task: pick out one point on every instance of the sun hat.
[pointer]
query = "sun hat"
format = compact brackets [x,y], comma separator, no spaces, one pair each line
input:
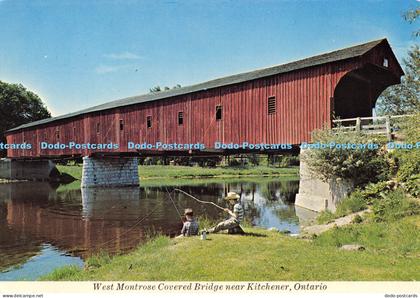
[232,196]
[188,211]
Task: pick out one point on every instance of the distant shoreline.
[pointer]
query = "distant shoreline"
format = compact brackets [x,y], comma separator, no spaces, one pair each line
[185,172]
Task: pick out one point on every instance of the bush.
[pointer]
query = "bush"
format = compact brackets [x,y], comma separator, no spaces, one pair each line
[254,159]
[393,206]
[408,163]
[357,219]
[353,203]
[409,160]
[288,161]
[357,165]
[412,185]
[358,200]
[325,217]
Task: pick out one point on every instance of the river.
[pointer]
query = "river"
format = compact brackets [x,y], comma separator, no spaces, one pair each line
[43,227]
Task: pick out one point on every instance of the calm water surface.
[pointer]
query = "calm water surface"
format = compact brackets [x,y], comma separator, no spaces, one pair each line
[43,227]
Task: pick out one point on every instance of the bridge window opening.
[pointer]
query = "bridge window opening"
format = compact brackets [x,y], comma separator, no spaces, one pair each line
[121,124]
[219,112]
[149,121]
[74,131]
[271,105]
[57,134]
[180,118]
[98,127]
[385,63]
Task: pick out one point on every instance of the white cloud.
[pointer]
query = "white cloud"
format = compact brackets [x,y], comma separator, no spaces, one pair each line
[104,69]
[122,56]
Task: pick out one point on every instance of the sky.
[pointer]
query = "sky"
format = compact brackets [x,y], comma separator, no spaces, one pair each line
[76,54]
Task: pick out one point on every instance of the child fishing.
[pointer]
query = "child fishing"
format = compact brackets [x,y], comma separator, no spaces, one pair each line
[190,227]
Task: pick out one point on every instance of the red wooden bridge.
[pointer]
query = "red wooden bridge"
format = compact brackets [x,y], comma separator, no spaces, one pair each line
[276,105]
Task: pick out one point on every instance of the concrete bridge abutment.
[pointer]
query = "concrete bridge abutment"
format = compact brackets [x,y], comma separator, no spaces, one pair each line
[22,169]
[109,172]
[317,195]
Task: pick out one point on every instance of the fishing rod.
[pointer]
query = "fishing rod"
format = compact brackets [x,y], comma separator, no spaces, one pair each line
[139,220]
[174,204]
[200,201]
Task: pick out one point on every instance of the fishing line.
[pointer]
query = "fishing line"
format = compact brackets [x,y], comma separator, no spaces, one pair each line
[130,229]
[174,203]
[140,221]
[200,201]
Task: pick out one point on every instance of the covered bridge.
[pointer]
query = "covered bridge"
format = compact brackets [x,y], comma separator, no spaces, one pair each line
[276,105]
[282,104]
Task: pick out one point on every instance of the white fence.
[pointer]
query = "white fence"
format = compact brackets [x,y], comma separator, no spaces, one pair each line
[381,125]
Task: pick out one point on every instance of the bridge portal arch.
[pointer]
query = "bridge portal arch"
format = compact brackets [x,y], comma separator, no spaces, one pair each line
[356,93]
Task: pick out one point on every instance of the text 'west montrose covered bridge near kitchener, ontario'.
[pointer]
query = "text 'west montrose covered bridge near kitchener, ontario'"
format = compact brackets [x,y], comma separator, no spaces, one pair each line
[277,105]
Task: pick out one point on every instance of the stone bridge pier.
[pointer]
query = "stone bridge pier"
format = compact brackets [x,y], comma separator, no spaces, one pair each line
[109,172]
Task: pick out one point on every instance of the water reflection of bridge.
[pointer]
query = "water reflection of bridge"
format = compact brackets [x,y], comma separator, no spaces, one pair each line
[32,217]
[83,221]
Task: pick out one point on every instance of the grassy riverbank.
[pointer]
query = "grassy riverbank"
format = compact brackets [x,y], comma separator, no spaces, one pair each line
[183,172]
[267,255]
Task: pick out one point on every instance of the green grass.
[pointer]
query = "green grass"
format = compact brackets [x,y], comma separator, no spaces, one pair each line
[265,255]
[73,170]
[184,172]
[388,206]
[350,204]
[394,239]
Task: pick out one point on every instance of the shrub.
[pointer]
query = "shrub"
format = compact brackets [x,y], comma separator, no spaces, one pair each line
[357,219]
[353,203]
[374,191]
[358,200]
[254,159]
[358,165]
[409,160]
[325,216]
[288,161]
[393,206]
[412,185]
[408,163]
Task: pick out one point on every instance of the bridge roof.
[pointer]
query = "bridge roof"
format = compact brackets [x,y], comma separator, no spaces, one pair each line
[337,55]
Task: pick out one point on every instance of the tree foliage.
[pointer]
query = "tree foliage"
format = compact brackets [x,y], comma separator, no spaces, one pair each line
[157,88]
[405,97]
[360,166]
[411,16]
[19,106]
[409,159]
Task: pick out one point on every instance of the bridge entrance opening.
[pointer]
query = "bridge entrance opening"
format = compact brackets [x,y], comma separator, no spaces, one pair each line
[357,92]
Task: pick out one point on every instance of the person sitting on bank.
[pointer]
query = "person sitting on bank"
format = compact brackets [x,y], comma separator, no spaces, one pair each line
[236,217]
[190,227]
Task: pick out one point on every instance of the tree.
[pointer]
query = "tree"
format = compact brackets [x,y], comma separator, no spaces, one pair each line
[405,97]
[18,106]
[166,88]
[411,16]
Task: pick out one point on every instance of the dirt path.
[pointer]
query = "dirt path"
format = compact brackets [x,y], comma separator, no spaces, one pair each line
[339,222]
